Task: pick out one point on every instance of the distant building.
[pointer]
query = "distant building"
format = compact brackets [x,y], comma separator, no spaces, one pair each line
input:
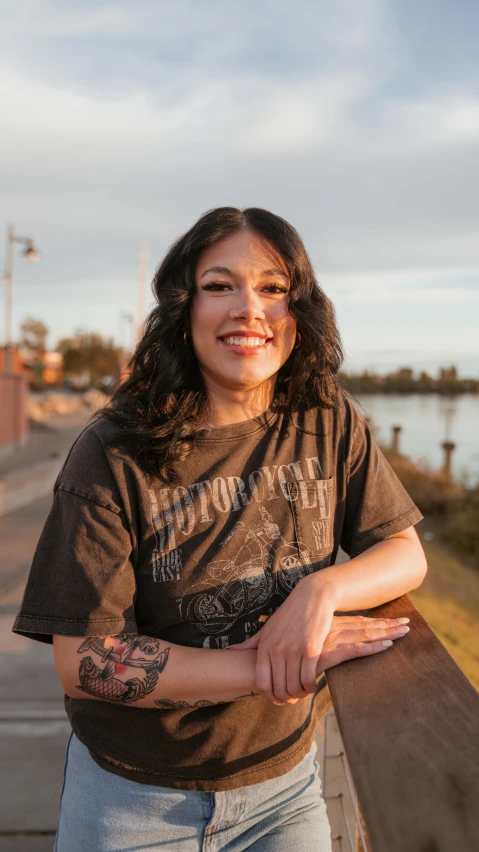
[16,360]
[43,372]
[52,368]
[13,402]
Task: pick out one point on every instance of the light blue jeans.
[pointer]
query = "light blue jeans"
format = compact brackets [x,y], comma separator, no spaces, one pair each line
[101,812]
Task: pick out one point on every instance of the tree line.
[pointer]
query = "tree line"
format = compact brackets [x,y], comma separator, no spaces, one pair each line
[89,351]
[83,352]
[406,380]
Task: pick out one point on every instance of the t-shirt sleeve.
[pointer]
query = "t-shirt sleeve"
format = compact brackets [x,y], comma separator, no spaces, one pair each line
[376,503]
[82,579]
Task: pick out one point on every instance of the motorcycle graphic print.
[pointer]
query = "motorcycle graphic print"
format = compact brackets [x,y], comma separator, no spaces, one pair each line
[245,582]
[230,549]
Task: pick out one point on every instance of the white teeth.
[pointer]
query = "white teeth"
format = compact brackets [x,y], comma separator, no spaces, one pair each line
[245,341]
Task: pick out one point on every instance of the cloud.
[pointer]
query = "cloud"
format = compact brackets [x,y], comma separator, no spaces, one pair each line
[123,122]
[346,25]
[432,286]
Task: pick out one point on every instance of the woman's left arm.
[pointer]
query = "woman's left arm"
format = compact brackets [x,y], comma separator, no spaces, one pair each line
[385,571]
[290,643]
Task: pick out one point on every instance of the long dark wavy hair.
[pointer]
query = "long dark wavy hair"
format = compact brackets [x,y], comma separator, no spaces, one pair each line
[159,406]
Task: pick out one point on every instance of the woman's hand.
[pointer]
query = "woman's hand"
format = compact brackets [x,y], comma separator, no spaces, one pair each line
[290,643]
[353,636]
[303,638]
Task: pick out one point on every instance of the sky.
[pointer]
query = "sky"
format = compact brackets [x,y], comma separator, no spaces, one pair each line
[356,120]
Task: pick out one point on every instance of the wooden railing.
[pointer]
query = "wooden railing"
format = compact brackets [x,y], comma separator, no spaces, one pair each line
[348,832]
[409,721]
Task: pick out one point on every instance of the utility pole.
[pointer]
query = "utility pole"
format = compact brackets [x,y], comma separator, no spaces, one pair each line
[447,445]
[125,324]
[31,254]
[142,277]
[396,431]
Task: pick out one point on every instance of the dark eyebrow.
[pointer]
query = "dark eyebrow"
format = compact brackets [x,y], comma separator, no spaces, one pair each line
[223,270]
[276,271]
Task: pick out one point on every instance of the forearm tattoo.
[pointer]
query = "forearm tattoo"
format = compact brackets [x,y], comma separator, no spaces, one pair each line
[102,677]
[167,704]
[128,652]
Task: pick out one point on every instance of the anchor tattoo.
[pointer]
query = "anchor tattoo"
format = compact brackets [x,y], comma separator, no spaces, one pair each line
[102,683]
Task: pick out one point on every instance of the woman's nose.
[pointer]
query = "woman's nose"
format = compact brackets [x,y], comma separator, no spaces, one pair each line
[249,309]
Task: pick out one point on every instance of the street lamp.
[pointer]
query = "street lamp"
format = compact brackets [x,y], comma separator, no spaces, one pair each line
[127,319]
[31,254]
[125,322]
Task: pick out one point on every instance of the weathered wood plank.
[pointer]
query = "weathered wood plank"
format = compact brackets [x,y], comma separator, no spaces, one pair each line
[341,800]
[409,719]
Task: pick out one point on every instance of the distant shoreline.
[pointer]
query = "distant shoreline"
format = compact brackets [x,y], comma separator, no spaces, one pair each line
[404,381]
[409,392]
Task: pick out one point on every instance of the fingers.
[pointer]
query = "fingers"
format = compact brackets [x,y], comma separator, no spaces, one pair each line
[278,677]
[248,644]
[308,674]
[285,680]
[342,652]
[371,633]
[366,620]
[365,649]
[294,677]
[264,677]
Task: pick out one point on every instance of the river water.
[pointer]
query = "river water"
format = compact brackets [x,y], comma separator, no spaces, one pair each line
[427,420]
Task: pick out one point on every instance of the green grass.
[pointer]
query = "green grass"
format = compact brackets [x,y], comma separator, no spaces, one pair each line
[449,597]
[449,601]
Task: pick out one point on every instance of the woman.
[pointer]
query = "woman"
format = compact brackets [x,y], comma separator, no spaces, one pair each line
[203,511]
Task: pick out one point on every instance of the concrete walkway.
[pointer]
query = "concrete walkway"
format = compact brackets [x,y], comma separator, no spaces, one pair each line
[33,726]
[51,439]
[29,474]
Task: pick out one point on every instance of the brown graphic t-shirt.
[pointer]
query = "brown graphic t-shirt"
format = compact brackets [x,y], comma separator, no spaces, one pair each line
[202,563]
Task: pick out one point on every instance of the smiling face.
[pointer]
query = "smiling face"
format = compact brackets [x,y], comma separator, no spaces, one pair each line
[242,331]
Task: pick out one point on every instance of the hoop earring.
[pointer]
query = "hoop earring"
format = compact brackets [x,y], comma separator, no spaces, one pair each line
[298,340]
[186,338]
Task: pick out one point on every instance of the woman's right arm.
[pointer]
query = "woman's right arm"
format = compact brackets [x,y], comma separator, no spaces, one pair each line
[142,671]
